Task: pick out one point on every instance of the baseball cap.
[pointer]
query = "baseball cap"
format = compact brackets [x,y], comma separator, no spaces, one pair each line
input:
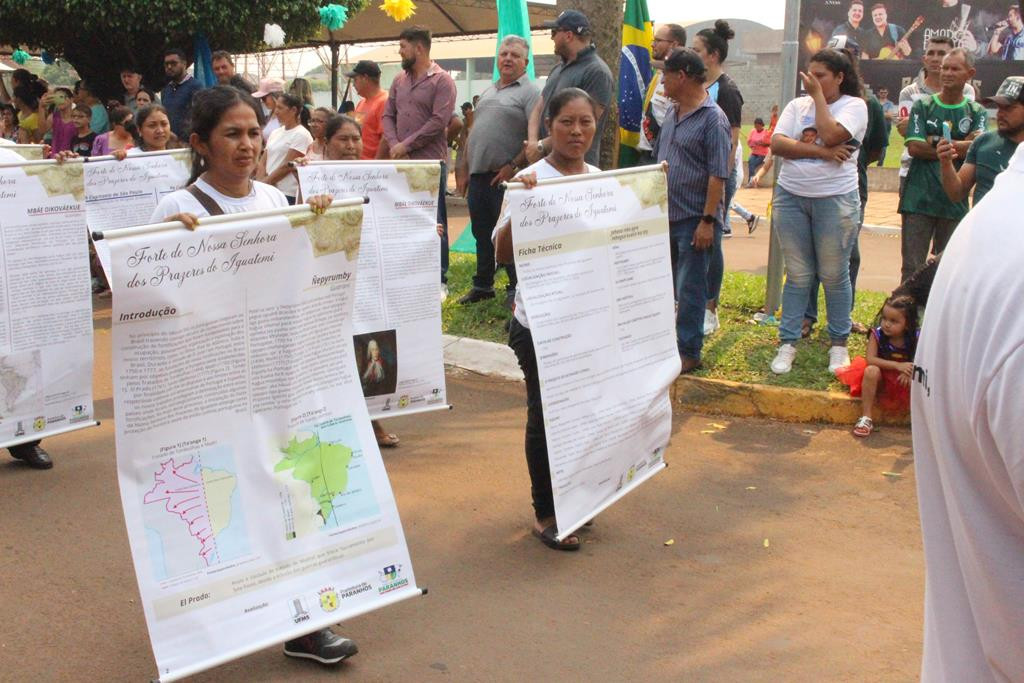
[269,85]
[570,20]
[1011,90]
[365,67]
[845,43]
[686,60]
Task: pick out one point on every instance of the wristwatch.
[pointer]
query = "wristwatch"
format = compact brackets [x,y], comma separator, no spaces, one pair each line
[707,218]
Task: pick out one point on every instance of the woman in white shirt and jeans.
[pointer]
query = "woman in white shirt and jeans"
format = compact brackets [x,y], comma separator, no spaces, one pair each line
[285,145]
[816,203]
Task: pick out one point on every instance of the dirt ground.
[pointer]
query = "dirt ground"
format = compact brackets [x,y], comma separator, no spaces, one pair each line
[794,558]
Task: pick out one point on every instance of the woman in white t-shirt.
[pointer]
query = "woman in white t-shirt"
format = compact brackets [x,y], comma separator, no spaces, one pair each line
[226,142]
[572,121]
[285,145]
[816,203]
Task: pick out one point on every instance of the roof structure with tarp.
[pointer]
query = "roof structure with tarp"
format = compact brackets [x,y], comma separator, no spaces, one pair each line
[444,18]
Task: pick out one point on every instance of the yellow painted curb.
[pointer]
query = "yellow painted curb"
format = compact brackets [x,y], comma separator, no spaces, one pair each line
[779,403]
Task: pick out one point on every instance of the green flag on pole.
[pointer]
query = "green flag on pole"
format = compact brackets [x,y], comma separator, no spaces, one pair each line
[514,20]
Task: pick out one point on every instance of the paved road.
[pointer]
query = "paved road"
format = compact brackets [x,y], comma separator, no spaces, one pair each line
[836,593]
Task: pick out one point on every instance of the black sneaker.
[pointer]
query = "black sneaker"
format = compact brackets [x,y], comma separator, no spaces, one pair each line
[32,455]
[476,295]
[324,646]
[727,232]
[752,224]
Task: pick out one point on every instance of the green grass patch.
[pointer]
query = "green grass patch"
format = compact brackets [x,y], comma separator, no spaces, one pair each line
[741,351]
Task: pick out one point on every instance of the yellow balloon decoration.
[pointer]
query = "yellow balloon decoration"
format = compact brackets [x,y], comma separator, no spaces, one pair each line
[399,10]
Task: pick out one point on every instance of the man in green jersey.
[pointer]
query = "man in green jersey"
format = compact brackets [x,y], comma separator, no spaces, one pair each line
[929,216]
[990,152]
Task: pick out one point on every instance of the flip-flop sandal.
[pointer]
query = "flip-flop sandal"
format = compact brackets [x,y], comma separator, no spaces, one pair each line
[547,537]
[388,441]
[863,427]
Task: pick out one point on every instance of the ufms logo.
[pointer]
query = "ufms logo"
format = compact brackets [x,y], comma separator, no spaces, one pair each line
[391,579]
[299,611]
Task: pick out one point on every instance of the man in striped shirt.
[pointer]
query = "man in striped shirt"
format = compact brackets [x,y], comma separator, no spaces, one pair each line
[695,140]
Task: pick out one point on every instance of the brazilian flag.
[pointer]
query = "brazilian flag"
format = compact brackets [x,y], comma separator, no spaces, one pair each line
[634,77]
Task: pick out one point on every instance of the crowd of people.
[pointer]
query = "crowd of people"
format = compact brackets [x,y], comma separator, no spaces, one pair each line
[246,141]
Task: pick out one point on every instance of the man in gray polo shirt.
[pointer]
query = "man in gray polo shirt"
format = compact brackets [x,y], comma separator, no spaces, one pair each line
[495,152]
[581,68]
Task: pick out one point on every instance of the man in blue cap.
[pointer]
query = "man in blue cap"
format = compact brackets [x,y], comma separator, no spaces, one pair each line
[581,67]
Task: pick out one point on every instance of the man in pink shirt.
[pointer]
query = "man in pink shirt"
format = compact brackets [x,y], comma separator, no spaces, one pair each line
[420,104]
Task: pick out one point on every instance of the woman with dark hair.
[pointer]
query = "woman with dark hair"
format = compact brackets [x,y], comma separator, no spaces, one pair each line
[317,126]
[816,202]
[572,122]
[144,97]
[8,122]
[712,46]
[121,136]
[26,101]
[226,142]
[154,129]
[285,145]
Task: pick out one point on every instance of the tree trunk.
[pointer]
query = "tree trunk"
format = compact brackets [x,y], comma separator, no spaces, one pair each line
[606,22]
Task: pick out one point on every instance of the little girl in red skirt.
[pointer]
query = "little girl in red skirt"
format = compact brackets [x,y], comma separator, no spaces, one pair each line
[884,376]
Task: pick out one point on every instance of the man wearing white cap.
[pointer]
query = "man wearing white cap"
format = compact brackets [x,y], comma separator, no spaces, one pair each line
[270,89]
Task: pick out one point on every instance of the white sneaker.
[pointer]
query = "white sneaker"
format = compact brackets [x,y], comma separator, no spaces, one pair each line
[783,362]
[838,357]
[711,324]
[444,291]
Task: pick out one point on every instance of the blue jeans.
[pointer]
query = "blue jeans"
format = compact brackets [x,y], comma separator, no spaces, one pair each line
[691,276]
[817,236]
[716,271]
[812,299]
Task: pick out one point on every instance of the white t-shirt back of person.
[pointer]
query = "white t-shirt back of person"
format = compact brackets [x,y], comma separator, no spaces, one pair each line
[543,170]
[278,144]
[967,405]
[261,197]
[817,177]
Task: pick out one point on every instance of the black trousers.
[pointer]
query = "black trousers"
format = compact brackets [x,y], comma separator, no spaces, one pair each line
[484,211]
[521,341]
[23,447]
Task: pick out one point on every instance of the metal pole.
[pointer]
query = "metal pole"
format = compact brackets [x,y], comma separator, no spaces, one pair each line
[790,66]
[334,74]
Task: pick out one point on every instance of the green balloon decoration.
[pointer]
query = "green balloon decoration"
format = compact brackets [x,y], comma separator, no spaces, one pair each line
[333,16]
[20,56]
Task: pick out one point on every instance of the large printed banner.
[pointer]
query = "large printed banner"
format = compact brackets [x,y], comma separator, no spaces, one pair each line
[397,319]
[27,152]
[592,254]
[893,36]
[123,193]
[257,505]
[45,303]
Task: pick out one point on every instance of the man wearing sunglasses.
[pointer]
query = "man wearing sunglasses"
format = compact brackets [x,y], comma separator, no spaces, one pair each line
[581,67]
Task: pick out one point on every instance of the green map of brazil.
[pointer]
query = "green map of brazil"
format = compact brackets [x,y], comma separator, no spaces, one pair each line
[323,466]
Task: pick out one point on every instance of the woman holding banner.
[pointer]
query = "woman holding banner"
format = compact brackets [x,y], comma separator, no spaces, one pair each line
[154,128]
[572,120]
[226,144]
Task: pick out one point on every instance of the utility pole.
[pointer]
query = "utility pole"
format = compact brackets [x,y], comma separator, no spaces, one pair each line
[790,66]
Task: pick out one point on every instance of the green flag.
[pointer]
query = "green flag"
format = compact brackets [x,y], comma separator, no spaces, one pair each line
[514,20]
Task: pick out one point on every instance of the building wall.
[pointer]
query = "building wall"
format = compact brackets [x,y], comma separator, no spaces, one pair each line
[761,86]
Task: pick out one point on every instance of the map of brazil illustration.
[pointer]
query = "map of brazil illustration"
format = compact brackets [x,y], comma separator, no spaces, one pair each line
[193,512]
[324,481]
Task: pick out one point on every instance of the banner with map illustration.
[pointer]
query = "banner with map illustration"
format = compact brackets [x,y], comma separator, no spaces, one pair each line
[123,193]
[893,37]
[592,255]
[257,505]
[45,305]
[397,317]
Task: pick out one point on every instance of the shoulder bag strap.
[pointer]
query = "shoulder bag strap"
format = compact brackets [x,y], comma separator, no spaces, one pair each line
[205,200]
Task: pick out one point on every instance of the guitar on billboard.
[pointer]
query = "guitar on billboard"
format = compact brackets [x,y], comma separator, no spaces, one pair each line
[896,52]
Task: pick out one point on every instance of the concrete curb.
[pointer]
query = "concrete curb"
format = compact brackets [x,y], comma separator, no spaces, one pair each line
[690,393]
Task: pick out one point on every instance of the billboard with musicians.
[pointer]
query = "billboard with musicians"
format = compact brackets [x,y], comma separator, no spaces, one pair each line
[893,36]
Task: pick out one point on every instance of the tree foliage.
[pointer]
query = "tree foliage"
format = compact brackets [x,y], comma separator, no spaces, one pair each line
[99,37]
